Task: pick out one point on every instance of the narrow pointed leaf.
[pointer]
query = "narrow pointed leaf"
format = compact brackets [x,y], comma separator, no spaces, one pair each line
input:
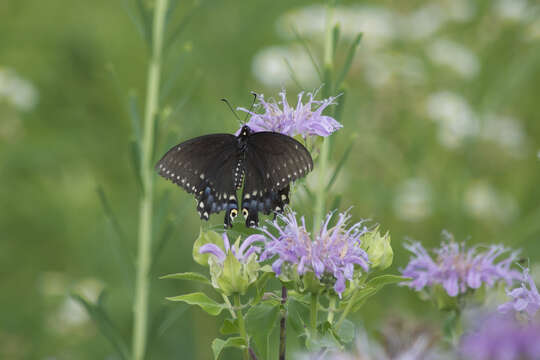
[135,152]
[120,234]
[219,345]
[105,326]
[135,116]
[292,74]
[338,109]
[202,300]
[348,60]
[305,45]
[191,276]
[380,281]
[340,164]
[335,39]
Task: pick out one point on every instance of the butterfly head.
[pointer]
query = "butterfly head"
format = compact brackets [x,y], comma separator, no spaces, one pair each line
[245,131]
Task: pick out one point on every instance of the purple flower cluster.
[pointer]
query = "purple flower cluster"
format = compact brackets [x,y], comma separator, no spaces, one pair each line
[303,120]
[334,250]
[502,338]
[523,299]
[458,269]
[242,253]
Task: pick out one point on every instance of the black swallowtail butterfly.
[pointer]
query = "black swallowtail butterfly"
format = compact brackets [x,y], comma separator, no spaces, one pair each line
[213,167]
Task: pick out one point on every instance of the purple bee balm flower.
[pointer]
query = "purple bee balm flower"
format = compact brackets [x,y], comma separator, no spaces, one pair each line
[458,269]
[242,253]
[305,120]
[333,250]
[501,337]
[523,299]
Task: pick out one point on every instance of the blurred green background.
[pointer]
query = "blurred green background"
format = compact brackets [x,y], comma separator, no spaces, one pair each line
[443,97]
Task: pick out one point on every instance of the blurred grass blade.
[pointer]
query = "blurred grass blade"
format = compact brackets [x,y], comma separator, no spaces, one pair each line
[162,242]
[163,319]
[335,39]
[292,73]
[336,203]
[104,324]
[305,45]
[173,76]
[340,164]
[338,109]
[134,116]
[184,99]
[173,4]
[135,152]
[175,33]
[109,214]
[139,18]
[348,60]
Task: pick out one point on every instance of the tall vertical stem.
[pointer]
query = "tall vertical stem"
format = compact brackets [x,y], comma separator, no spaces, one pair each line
[313,313]
[142,282]
[325,147]
[241,324]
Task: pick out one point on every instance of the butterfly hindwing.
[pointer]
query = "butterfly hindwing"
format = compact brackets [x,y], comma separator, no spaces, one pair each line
[273,161]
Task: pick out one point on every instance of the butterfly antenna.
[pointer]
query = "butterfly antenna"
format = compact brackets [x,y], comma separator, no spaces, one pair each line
[251,107]
[230,107]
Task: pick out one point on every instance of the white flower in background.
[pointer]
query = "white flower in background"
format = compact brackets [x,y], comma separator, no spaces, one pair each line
[484,201]
[505,131]
[459,10]
[70,314]
[413,200]
[270,68]
[455,118]
[514,10]
[375,22]
[455,56]
[52,283]
[380,69]
[19,92]
[423,22]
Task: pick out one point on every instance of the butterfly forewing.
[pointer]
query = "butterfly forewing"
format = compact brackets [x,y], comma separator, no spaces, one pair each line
[202,166]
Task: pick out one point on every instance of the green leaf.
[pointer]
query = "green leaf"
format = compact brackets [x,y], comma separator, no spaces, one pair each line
[135,153]
[135,116]
[305,45]
[219,345]
[296,312]
[202,300]
[139,20]
[191,276]
[260,322]
[346,332]
[205,237]
[338,110]
[104,324]
[229,327]
[335,39]
[120,246]
[379,282]
[292,74]
[348,60]
[340,164]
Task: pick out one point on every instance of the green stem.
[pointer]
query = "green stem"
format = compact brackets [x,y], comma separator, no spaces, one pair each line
[142,282]
[331,309]
[344,314]
[314,311]
[241,324]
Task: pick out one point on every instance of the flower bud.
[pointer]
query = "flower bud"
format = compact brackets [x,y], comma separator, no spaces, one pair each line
[378,248]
